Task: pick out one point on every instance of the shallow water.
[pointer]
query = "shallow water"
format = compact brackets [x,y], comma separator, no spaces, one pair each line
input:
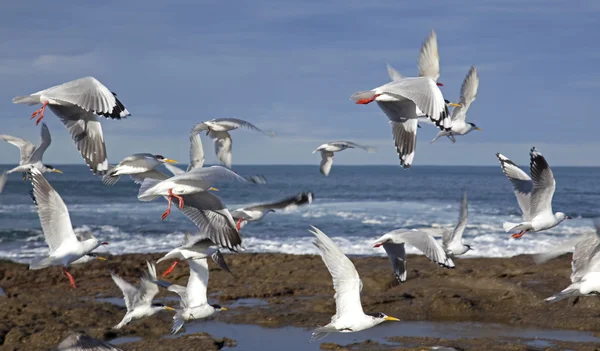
[292,338]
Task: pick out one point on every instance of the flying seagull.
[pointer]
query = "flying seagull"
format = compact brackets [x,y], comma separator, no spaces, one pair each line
[405,100]
[194,247]
[394,241]
[134,164]
[65,247]
[77,104]
[255,213]
[349,316]
[218,129]
[138,301]
[193,303]
[534,194]
[31,156]
[585,266]
[328,149]
[468,92]
[83,342]
[452,240]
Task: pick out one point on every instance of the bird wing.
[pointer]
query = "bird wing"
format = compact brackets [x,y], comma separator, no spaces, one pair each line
[543,185]
[405,140]
[586,256]
[426,244]
[426,95]
[468,93]
[207,175]
[130,292]
[235,123]
[148,287]
[86,132]
[350,144]
[394,75]
[53,213]
[397,255]
[429,58]
[90,95]
[84,342]
[223,143]
[196,152]
[326,162]
[284,204]
[521,182]
[25,148]
[197,283]
[210,215]
[152,174]
[346,281]
[456,234]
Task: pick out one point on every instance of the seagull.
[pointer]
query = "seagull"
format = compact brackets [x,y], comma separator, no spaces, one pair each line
[204,209]
[393,243]
[218,130]
[452,240]
[84,342]
[533,195]
[30,155]
[193,302]
[585,276]
[195,181]
[328,149]
[64,246]
[194,247]
[139,300]
[134,164]
[255,213]
[468,92]
[404,100]
[77,104]
[349,316]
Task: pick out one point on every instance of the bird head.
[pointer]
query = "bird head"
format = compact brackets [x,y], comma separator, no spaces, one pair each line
[52,169]
[382,317]
[560,216]
[163,159]
[468,248]
[474,126]
[219,308]
[160,306]
[96,257]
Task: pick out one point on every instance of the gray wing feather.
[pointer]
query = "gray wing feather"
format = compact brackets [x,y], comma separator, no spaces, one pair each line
[25,148]
[397,255]
[457,233]
[84,342]
[196,152]
[543,184]
[521,182]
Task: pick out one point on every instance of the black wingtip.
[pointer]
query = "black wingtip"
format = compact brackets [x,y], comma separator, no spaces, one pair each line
[32,195]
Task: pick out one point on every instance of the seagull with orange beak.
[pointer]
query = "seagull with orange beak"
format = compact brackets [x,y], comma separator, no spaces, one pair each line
[134,164]
[65,247]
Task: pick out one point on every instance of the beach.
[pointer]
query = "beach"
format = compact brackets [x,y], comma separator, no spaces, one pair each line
[484,303]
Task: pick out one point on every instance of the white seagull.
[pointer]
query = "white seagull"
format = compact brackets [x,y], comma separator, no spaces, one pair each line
[84,342]
[134,164]
[452,240]
[349,316]
[77,104]
[328,149]
[468,92]
[393,243]
[194,247]
[31,156]
[585,265]
[195,181]
[404,100]
[255,213]
[138,301]
[534,195]
[193,302]
[218,130]
[65,247]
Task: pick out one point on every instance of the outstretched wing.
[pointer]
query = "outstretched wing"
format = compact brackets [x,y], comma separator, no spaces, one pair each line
[326,162]
[468,93]
[543,185]
[429,58]
[25,148]
[235,123]
[397,255]
[456,234]
[84,342]
[521,182]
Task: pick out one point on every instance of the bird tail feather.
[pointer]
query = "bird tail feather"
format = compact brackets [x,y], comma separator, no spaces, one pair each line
[39,263]
[3,179]
[571,291]
[27,100]
[322,332]
[178,322]
[108,179]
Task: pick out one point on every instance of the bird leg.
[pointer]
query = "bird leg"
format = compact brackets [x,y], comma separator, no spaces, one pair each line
[239,224]
[71,279]
[520,234]
[168,271]
[168,211]
[39,112]
[171,196]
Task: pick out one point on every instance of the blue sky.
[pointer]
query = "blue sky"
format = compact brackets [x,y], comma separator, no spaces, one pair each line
[290,67]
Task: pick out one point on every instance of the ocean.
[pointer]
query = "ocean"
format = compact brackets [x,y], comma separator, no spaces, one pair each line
[354,205]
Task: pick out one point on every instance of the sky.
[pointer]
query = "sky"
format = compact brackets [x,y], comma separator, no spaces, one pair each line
[291,66]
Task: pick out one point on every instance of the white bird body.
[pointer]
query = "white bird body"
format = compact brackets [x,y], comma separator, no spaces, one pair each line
[452,240]
[64,245]
[134,164]
[138,301]
[77,104]
[195,247]
[256,212]
[585,267]
[534,194]
[394,241]
[328,149]
[468,93]
[349,316]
